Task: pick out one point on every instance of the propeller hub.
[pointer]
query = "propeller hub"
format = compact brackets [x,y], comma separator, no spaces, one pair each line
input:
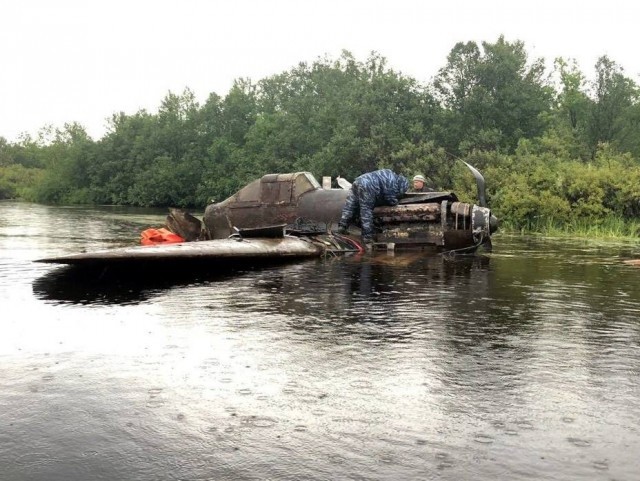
[482,223]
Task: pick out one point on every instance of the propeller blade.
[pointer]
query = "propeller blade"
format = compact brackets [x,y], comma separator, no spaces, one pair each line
[482,200]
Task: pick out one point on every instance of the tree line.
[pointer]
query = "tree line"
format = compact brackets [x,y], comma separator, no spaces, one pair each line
[554,147]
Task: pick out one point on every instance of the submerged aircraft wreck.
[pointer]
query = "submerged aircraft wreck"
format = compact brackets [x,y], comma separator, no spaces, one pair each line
[292,215]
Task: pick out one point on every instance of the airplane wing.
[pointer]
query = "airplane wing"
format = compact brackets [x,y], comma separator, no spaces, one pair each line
[221,249]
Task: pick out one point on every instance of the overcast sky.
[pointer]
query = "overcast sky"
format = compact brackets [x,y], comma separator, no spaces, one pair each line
[80,60]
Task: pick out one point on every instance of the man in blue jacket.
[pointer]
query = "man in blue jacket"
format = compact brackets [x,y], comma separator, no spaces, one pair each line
[381,187]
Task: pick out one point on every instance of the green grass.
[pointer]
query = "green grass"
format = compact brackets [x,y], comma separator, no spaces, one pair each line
[607,228]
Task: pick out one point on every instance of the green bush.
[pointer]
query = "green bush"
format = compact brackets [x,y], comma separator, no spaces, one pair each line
[19,182]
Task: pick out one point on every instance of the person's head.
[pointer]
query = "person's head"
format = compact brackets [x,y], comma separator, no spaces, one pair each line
[418,181]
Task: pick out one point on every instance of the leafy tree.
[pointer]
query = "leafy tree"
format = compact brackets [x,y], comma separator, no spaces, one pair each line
[338,117]
[239,111]
[426,159]
[66,158]
[17,181]
[628,131]
[493,97]
[210,123]
[122,154]
[614,95]
[177,128]
[570,123]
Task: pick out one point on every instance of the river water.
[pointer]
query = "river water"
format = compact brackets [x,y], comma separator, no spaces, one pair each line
[522,364]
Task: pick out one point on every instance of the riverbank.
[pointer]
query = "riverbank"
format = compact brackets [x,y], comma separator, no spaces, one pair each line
[608,228]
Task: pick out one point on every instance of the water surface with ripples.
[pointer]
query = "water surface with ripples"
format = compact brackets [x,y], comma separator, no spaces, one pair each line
[519,364]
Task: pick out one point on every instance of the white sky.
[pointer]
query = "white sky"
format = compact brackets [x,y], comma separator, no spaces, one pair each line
[82,60]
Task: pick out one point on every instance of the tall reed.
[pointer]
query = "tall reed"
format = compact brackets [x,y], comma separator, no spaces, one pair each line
[608,227]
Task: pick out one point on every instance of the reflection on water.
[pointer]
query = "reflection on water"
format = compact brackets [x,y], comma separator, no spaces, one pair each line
[127,285]
[521,364]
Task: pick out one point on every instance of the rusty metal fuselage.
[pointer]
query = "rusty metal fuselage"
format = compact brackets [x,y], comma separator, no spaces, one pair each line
[298,201]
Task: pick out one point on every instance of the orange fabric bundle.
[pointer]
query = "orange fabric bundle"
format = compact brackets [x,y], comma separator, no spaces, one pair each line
[159,236]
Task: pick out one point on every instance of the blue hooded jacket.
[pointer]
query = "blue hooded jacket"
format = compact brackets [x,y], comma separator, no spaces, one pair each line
[384,186]
[381,187]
